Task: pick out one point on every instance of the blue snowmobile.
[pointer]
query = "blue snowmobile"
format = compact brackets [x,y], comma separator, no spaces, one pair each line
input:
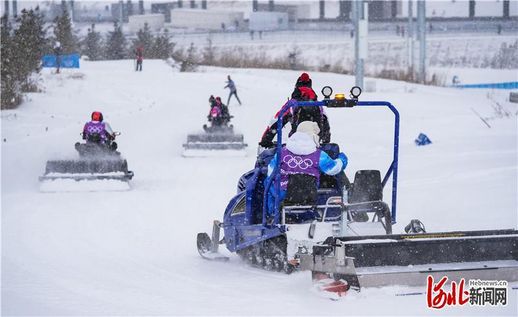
[303,220]
[344,230]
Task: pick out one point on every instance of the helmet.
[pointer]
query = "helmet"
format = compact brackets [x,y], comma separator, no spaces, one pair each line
[303,81]
[304,78]
[97,116]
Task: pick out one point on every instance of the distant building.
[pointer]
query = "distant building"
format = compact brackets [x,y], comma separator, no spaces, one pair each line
[154,21]
[207,19]
[165,8]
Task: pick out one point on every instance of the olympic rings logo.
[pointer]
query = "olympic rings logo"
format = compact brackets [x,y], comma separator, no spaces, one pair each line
[297,161]
[94,129]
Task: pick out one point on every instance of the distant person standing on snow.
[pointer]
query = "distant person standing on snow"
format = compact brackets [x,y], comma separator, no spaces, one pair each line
[58,52]
[230,85]
[139,56]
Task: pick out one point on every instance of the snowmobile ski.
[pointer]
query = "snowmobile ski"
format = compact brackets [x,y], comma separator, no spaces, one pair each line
[207,247]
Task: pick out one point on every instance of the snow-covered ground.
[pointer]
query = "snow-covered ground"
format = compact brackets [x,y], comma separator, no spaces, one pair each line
[133,252]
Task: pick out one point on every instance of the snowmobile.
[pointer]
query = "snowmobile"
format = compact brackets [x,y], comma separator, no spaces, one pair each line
[343,232]
[218,138]
[98,161]
[308,218]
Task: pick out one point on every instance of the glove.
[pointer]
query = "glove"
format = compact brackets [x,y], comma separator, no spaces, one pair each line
[343,158]
[266,144]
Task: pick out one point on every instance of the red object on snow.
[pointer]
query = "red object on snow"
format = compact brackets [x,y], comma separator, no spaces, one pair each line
[324,283]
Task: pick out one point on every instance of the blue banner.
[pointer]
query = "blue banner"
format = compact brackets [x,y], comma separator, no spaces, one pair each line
[506,85]
[65,61]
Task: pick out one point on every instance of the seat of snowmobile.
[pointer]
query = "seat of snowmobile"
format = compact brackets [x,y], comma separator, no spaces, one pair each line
[301,191]
[301,199]
[367,187]
[366,195]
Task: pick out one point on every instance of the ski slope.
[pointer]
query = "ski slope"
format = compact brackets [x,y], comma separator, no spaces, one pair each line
[133,252]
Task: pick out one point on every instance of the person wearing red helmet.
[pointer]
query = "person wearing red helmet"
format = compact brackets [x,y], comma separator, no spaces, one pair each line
[302,92]
[96,130]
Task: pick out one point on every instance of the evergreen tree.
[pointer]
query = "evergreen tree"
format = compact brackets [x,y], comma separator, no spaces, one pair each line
[10,90]
[116,43]
[162,47]
[188,63]
[92,46]
[30,44]
[63,33]
[144,39]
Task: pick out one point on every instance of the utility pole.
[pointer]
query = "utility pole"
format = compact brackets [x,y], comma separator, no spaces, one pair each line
[360,16]
[72,11]
[129,8]
[141,7]
[121,13]
[421,20]
[15,9]
[6,8]
[410,39]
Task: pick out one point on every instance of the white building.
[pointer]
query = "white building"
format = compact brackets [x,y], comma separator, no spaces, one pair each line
[207,19]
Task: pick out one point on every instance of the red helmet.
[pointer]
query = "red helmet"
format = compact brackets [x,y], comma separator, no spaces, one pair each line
[304,78]
[97,116]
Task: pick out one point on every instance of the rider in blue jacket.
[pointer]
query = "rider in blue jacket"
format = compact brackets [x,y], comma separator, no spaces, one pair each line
[302,155]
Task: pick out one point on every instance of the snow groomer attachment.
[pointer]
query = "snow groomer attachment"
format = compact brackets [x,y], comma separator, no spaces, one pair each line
[374,260]
[99,167]
[218,138]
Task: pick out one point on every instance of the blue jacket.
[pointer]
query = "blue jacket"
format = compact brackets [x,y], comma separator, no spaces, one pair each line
[303,144]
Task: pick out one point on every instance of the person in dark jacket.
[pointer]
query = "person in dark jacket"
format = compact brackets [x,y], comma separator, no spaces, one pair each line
[212,101]
[224,109]
[302,92]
